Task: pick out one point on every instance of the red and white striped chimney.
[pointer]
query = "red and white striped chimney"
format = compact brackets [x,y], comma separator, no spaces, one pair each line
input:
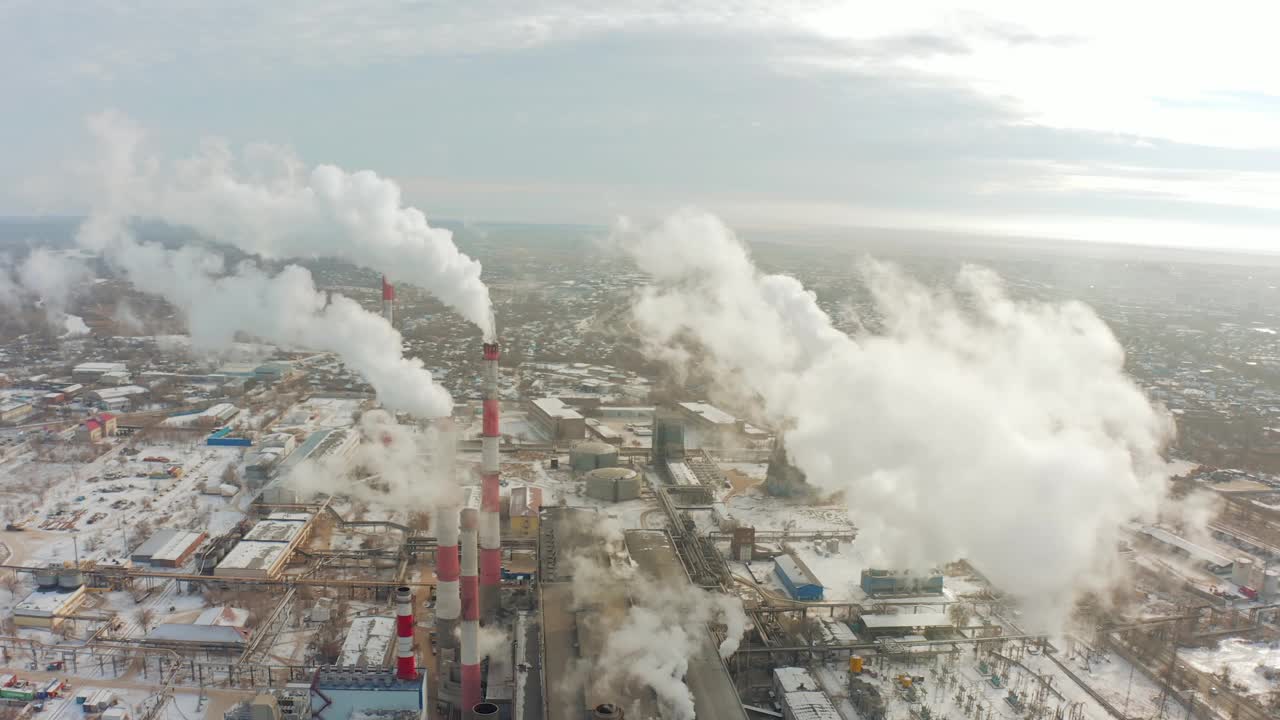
[490,524]
[470,653]
[388,300]
[406,664]
[448,600]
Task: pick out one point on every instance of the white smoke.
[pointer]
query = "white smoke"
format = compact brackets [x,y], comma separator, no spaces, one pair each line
[285,308]
[127,319]
[268,203]
[45,278]
[408,469]
[651,629]
[973,426]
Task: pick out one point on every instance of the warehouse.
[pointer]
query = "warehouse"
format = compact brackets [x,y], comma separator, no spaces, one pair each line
[253,558]
[368,642]
[46,608]
[276,530]
[808,706]
[90,372]
[931,624]
[556,419]
[798,579]
[168,548]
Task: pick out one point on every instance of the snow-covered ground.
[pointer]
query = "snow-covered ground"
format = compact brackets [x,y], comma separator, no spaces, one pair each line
[1241,659]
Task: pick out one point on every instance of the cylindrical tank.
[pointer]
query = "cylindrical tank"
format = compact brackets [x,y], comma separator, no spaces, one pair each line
[1242,571]
[855,664]
[613,484]
[47,577]
[607,711]
[70,579]
[587,456]
[1271,585]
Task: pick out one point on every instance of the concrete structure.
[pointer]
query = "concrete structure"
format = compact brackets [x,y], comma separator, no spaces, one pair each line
[613,484]
[1242,571]
[798,579]
[597,430]
[574,635]
[168,548]
[208,637]
[526,506]
[276,530]
[668,437]
[901,582]
[1213,562]
[490,522]
[558,421]
[117,398]
[251,558]
[368,642]
[591,455]
[45,608]
[930,623]
[96,428]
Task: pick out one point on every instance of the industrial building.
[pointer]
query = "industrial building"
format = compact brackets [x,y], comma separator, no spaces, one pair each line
[266,547]
[613,484]
[901,582]
[90,372]
[96,428]
[929,624]
[117,399]
[524,508]
[710,427]
[14,411]
[46,606]
[168,548]
[224,638]
[368,642]
[558,421]
[1215,563]
[797,578]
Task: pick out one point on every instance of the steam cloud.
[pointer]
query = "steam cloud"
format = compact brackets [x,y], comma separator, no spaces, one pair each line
[974,426]
[652,632]
[267,203]
[220,302]
[49,278]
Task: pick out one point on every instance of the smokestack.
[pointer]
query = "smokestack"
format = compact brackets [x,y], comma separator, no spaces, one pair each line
[470,660]
[448,599]
[406,665]
[490,532]
[388,300]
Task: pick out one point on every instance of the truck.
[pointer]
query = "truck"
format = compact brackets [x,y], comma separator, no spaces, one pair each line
[19,691]
[1248,592]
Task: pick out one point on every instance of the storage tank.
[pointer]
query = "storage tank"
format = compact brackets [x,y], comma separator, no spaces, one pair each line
[47,577]
[613,484]
[590,455]
[70,579]
[1242,571]
[1271,585]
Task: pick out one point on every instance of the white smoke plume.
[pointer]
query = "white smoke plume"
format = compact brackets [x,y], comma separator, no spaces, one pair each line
[46,278]
[651,629]
[268,203]
[285,308]
[972,426]
[408,469]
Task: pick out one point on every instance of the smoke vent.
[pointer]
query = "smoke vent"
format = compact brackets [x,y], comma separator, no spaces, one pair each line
[484,710]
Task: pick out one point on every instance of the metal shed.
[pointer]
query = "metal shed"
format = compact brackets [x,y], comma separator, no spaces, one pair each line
[796,577]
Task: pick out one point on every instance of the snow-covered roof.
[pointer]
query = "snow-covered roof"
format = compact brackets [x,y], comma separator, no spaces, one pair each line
[556,408]
[252,555]
[810,706]
[202,634]
[798,574]
[46,603]
[906,620]
[710,413]
[794,679]
[272,530]
[177,546]
[368,641]
[223,615]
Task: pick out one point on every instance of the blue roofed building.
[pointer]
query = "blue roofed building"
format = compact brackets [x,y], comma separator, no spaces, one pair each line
[798,579]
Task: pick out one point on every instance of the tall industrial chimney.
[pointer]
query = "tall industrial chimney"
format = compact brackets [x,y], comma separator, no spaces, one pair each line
[406,664]
[448,599]
[470,660]
[388,300]
[490,532]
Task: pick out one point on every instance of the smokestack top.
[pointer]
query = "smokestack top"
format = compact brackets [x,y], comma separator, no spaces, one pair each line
[388,290]
[404,594]
[491,350]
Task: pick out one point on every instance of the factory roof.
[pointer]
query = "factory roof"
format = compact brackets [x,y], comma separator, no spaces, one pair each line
[155,543]
[368,641]
[123,391]
[252,555]
[46,603]
[290,516]
[272,530]
[681,474]
[794,679]
[1196,551]
[223,615]
[556,408]
[197,634]
[799,574]
[710,413]
[906,620]
[176,546]
[810,706]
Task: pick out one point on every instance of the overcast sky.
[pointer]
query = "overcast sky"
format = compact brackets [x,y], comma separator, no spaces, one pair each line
[1129,121]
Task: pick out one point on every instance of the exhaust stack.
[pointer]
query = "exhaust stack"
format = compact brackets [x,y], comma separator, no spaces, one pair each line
[490,530]
[470,660]
[388,300]
[406,664]
[448,599]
